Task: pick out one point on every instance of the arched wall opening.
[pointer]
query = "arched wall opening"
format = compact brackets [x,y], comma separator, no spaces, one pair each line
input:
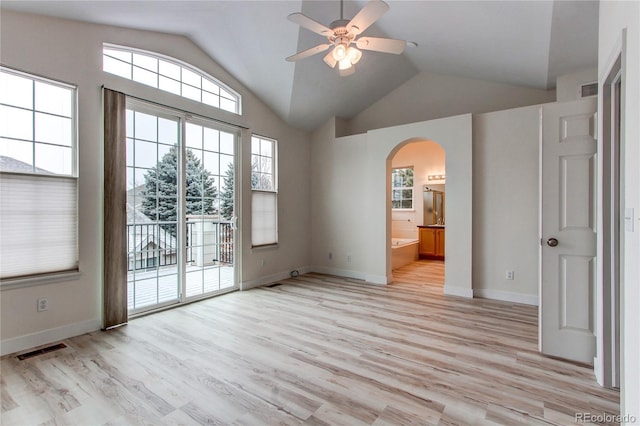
[417,211]
[351,218]
[454,136]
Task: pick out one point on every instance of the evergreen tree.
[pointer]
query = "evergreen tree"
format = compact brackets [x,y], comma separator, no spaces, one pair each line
[160,192]
[226,194]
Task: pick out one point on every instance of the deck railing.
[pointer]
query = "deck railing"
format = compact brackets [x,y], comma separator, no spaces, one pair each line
[158,244]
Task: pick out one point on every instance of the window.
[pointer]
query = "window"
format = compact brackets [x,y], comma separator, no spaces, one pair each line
[402,188]
[38,180]
[169,75]
[264,194]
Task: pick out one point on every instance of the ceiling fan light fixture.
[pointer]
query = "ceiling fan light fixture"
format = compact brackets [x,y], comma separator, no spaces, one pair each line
[345,64]
[340,52]
[354,55]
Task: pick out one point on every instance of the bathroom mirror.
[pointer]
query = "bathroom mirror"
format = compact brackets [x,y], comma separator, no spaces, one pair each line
[433,206]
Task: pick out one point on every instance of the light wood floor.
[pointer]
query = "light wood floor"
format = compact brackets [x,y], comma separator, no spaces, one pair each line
[317,350]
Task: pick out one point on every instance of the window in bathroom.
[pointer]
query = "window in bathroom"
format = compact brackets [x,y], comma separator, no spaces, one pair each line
[402,188]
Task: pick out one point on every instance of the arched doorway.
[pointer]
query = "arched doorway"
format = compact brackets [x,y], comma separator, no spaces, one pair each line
[418,197]
[454,135]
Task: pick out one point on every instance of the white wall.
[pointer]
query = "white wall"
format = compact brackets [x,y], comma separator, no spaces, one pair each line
[72,52]
[339,181]
[568,85]
[616,17]
[426,158]
[351,199]
[427,96]
[505,204]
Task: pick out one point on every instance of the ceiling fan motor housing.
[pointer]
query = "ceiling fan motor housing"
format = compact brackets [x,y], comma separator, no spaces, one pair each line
[341,36]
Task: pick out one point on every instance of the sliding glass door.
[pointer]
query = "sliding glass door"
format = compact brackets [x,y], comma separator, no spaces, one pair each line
[210,218]
[180,207]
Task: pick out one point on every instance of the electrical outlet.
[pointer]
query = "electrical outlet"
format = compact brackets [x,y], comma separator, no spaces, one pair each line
[43,304]
[330,256]
[509,275]
[348,258]
[263,263]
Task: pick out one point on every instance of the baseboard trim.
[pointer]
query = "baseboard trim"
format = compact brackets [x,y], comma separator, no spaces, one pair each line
[346,273]
[28,341]
[597,371]
[506,296]
[377,279]
[450,290]
[268,279]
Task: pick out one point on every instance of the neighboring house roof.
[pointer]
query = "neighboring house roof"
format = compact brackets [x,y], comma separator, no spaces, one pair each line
[150,237]
[143,236]
[10,164]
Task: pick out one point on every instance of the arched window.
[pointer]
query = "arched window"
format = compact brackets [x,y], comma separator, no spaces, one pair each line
[170,75]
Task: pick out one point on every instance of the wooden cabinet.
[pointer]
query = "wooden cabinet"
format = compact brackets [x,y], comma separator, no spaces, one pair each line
[440,243]
[427,242]
[431,243]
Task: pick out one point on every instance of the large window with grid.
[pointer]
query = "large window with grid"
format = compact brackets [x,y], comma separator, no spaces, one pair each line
[38,176]
[169,75]
[402,188]
[264,194]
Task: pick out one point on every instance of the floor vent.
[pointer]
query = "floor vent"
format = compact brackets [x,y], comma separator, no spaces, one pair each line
[37,352]
[274,285]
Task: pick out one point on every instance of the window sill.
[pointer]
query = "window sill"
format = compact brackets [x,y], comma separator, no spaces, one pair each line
[265,246]
[404,210]
[14,283]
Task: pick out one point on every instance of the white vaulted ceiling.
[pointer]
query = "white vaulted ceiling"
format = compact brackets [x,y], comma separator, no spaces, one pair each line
[527,43]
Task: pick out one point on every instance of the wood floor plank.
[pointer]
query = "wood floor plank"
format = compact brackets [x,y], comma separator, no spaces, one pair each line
[316,350]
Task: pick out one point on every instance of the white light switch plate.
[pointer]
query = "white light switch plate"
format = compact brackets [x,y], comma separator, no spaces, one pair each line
[629,218]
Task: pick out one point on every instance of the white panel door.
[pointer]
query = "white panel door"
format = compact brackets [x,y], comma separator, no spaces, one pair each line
[568,230]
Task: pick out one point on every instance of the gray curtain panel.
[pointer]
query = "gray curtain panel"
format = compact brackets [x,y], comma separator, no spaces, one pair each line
[115,214]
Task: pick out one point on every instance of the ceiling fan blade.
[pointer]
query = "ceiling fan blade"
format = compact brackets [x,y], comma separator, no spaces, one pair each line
[348,71]
[308,23]
[330,60]
[387,45]
[367,16]
[309,52]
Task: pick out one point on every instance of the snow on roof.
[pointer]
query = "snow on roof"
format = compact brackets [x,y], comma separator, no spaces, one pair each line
[10,164]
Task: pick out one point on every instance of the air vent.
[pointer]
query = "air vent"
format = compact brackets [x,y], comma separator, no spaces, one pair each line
[274,285]
[589,89]
[42,351]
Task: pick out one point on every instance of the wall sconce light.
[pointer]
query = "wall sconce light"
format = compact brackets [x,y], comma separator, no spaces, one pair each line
[436,177]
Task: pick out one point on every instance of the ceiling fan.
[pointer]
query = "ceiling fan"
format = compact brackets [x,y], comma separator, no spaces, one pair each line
[341,34]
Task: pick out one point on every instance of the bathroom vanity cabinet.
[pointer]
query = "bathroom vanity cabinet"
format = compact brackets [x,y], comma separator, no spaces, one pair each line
[431,242]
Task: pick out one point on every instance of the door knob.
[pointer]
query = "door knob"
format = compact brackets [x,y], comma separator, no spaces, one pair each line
[552,242]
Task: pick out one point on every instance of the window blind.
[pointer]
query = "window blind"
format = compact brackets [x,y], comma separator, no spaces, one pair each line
[264,226]
[38,225]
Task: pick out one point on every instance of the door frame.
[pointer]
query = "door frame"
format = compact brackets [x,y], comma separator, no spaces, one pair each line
[611,240]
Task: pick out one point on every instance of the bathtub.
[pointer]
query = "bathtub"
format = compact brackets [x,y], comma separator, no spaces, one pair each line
[403,252]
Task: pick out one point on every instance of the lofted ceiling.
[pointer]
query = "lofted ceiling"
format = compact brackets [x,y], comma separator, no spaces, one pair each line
[526,43]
